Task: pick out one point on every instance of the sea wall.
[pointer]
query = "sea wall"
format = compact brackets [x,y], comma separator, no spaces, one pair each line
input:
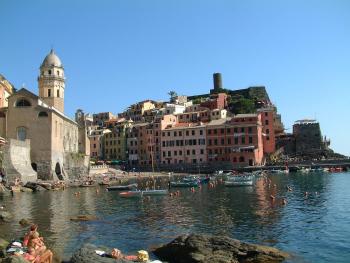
[16,161]
[76,166]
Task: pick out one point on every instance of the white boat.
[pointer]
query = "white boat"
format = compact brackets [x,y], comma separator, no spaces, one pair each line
[240,180]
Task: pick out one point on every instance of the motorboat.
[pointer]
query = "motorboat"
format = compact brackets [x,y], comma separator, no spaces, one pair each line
[122,187]
[239,180]
[184,184]
[139,193]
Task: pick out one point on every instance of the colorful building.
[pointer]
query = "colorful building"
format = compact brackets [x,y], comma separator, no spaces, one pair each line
[184,143]
[237,140]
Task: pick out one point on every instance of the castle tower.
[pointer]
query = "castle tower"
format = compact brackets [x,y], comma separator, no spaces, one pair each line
[52,81]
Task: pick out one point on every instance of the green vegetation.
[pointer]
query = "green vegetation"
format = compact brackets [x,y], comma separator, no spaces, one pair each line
[241,105]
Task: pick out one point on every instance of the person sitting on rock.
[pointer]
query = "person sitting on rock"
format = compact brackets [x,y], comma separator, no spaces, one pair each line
[33,228]
[37,243]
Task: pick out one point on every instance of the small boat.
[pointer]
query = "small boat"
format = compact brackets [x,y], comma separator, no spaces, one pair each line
[87,184]
[122,187]
[184,184]
[240,180]
[138,193]
[204,180]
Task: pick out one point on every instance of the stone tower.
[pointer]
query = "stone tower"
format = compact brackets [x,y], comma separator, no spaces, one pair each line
[52,81]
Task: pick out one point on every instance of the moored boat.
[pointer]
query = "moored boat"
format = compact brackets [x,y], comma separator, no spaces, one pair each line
[139,193]
[122,187]
[240,180]
[184,184]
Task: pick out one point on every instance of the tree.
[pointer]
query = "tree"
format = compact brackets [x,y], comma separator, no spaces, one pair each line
[172,95]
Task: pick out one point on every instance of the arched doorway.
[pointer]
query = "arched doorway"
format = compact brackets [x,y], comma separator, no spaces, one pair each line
[58,171]
[35,167]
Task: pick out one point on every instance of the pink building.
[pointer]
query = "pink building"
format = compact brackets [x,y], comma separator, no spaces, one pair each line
[184,143]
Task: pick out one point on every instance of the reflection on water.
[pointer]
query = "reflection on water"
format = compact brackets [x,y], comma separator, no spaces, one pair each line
[313,227]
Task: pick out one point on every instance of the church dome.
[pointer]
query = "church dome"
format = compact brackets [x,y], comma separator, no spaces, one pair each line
[52,60]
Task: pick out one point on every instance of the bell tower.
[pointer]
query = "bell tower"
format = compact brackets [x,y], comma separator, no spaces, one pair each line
[52,81]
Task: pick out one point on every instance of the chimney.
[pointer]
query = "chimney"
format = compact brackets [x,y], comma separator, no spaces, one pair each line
[217,81]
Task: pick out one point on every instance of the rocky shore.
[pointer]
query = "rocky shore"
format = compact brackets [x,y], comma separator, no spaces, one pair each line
[192,248]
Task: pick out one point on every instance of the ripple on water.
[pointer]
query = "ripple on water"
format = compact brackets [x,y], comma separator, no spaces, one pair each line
[315,228]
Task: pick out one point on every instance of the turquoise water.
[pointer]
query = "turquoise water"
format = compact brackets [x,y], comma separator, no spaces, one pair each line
[315,228]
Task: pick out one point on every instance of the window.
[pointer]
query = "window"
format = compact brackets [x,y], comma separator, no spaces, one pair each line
[267,131]
[201,132]
[235,129]
[243,140]
[193,132]
[216,141]
[222,141]
[180,133]
[175,133]
[193,152]
[49,71]
[202,151]
[23,103]
[188,152]
[222,131]
[242,129]
[241,159]
[249,129]
[266,122]
[169,153]
[58,72]
[267,138]
[43,114]
[187,133]
[58,93]
[228,130]
[180,152]
[49,92]
[209,131]
[236,140]
[250,139]
[215,131]
[266,114]
[21,133]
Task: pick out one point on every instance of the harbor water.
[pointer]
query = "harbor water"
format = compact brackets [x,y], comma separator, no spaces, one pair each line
[313,227]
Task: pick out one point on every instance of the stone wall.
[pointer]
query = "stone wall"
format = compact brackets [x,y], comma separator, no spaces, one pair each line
[76,166]
[308,137]
[16,161]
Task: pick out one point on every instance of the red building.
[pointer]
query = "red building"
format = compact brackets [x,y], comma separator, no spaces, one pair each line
[216,101]
[237,140]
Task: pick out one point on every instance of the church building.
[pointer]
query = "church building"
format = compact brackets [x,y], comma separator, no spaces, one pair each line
[39,122]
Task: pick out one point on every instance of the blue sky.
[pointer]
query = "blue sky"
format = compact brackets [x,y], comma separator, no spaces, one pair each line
[116,52]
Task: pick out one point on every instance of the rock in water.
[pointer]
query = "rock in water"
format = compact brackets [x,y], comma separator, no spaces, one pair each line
[87,254]
[3,246]
[5,216]
[215,249]
[24,222]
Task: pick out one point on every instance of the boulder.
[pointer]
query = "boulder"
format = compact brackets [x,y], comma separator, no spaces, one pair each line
[5,216]
[3,246]
[216,249]
[87,254]
[34,186]
[24,222]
